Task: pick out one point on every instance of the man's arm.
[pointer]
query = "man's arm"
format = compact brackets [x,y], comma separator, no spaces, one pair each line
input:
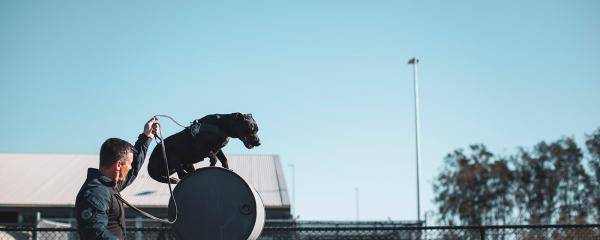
[141,148]
[92,217]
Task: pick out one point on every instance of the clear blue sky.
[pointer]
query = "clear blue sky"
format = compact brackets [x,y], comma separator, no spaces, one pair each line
[327,82]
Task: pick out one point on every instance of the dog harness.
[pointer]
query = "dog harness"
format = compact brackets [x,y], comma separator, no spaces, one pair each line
[196,127]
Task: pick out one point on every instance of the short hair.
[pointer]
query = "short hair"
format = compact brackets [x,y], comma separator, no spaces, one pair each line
[113,150]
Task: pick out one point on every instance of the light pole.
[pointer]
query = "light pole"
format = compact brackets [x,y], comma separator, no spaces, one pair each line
[357,206]
[293,208]
[414,61]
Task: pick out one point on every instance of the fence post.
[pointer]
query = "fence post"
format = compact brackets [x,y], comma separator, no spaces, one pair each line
[34,233]
[482,232]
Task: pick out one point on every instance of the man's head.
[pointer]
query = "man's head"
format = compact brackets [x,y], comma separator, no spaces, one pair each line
[116,156]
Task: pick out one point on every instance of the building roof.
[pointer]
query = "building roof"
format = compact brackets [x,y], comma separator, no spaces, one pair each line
[54,180]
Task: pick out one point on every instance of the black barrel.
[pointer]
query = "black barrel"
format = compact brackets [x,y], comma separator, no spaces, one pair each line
[216,203]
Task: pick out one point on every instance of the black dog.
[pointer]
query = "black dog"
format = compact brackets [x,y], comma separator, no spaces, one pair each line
[203,138]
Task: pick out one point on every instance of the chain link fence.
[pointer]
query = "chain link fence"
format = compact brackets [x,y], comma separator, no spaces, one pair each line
[517,232]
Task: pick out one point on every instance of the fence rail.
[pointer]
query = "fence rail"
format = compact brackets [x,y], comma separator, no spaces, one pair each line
[509,232]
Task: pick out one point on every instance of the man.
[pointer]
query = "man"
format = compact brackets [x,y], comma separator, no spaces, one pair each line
[99,214]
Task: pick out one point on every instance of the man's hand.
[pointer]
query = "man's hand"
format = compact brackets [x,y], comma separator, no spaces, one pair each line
[151,127]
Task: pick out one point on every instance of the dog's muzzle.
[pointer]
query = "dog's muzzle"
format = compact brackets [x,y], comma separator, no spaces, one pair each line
[251,142]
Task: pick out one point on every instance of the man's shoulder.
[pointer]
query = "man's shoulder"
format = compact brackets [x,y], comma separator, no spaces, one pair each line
[95,188]
[95,193]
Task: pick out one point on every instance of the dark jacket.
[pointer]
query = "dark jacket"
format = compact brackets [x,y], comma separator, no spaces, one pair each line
[99,214]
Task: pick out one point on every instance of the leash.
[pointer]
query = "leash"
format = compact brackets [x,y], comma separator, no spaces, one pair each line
[164,153]
[169,117]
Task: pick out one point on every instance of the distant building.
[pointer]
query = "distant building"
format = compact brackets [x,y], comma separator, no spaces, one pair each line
[43,186]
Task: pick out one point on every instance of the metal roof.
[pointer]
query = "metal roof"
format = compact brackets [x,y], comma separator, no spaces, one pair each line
[54,179]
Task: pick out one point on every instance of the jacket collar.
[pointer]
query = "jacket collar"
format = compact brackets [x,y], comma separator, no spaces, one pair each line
[94,173]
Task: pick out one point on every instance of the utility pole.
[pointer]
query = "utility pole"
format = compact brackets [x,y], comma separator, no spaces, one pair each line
[293,208]
[357,205]
[414,61]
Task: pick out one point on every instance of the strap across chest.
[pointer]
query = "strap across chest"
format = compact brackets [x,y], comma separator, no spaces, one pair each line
[198,127]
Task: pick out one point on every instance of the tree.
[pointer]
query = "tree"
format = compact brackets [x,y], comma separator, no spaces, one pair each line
[501,187]
[462,191]
[536,184]
[551,183]
[593,146]
[545,185]
[572,179]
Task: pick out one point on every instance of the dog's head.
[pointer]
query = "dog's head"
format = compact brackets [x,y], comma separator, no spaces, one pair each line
[246,129]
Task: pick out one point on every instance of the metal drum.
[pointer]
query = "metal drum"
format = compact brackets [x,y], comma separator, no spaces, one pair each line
[216,204]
